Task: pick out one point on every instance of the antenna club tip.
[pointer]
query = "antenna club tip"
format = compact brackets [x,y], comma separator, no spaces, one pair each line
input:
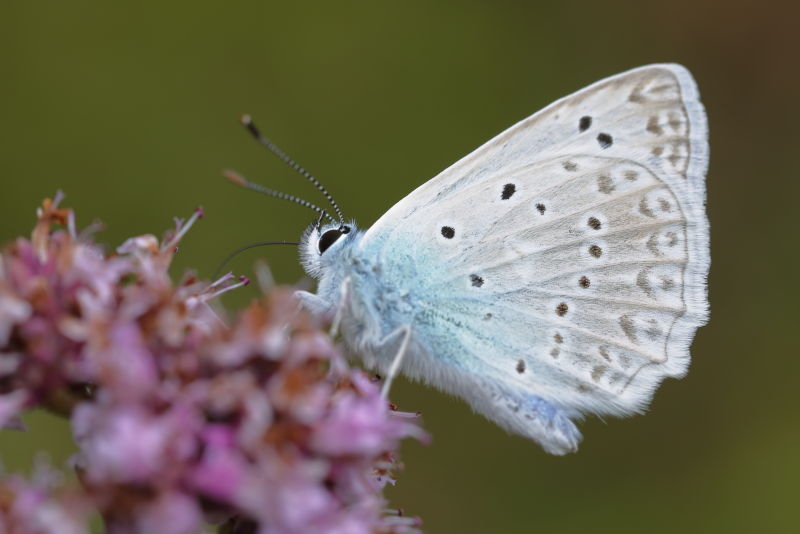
[200,212]
[243,279]
[234,177]
[246,119]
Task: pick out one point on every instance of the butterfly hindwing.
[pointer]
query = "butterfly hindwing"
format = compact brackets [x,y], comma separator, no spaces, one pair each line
[565,259]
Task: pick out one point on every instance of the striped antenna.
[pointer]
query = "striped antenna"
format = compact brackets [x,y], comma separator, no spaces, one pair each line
[241,181]
[247,121]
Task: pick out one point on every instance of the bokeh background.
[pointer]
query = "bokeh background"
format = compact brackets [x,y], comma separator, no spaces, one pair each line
[131,109]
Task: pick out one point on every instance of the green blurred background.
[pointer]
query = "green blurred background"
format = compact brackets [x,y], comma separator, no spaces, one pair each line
[131,109]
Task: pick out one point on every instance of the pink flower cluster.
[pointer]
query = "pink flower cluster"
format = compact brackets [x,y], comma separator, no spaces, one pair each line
[42,505]
[181,420]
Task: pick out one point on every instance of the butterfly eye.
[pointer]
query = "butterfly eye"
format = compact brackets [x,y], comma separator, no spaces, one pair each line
[329,238]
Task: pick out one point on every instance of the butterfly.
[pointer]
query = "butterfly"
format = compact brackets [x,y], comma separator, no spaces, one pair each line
[558,270]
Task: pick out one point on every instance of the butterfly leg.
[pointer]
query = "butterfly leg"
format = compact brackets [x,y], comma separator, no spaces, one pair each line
[405,331]
[313,303]
[344,290]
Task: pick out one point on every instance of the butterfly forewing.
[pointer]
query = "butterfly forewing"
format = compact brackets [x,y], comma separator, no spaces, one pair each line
[568,255]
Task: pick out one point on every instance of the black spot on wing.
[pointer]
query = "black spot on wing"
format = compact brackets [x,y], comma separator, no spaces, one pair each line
[604,140]
[476,280]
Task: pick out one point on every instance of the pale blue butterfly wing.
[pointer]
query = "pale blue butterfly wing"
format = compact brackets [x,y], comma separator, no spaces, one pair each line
[557,270]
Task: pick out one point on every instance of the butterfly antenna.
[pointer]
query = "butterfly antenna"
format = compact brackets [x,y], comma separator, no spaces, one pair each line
[247,121]
[230,256]
[241,181]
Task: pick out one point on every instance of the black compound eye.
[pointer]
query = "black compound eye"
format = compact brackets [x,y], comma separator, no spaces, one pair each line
[329,238]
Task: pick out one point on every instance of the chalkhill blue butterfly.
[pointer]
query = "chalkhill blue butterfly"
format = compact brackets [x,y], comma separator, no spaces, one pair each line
[558,270]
